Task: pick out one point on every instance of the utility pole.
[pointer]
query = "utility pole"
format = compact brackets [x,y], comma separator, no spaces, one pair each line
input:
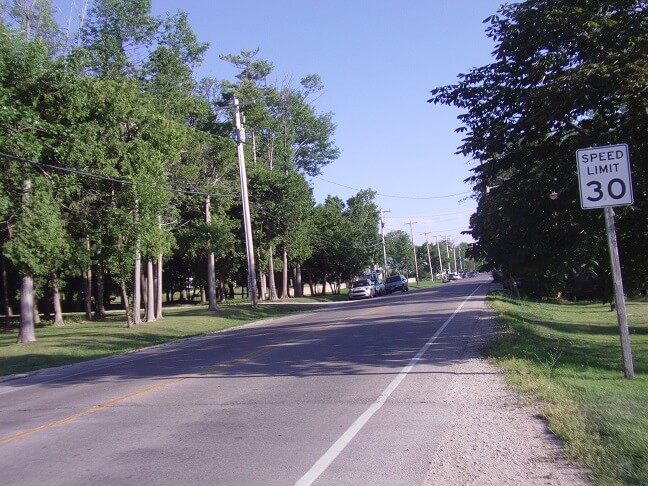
[454,255]
[429,259]
[211,280]
[414,249]
[439,252]
[382,230]
[249,245]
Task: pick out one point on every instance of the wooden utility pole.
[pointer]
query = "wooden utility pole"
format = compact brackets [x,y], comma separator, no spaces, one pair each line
[211,280]
[249,245]
[429,259]
[414,249]
[382,232]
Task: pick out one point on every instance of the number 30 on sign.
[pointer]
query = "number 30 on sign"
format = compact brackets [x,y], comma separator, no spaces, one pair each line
[604,176]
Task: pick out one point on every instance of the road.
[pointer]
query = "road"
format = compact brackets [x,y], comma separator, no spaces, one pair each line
[347,395]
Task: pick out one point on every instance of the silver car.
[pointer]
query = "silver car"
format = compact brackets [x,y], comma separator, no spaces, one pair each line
[396,282]
[362,289]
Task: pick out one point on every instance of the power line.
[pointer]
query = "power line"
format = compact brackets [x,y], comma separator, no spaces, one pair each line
[106,178]
[467,211]
[393,196]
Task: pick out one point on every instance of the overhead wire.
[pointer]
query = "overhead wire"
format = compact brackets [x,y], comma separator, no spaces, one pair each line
[393,196]
[170,189]
[107,178]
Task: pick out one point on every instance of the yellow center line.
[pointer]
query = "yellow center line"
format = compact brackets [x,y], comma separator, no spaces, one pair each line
[157,386]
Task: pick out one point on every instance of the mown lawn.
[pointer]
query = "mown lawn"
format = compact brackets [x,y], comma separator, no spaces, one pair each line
[569,356]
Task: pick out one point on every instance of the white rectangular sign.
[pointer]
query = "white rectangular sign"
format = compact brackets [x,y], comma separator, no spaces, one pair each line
[604,176]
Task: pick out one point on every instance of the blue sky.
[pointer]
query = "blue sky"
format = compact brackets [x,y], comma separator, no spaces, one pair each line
[378,60]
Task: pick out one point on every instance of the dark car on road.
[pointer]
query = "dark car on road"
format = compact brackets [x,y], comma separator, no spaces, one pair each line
[396,282]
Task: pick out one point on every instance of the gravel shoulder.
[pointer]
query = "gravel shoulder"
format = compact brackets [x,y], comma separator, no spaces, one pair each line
[494,438]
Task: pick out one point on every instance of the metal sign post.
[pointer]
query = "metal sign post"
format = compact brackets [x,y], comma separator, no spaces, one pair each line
[605,182]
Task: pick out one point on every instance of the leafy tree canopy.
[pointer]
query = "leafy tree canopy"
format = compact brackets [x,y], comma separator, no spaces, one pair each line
[567,74]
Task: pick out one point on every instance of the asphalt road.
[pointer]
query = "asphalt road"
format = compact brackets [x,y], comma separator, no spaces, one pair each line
[348,395]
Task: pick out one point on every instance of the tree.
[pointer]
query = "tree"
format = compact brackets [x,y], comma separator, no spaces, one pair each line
[299,138]
[398,245]
[566,75]
[345,239]
[365,245]
[35,20]
[112,36]
[29,85]
[331,239]
[156,124]
[281,203]
[38,247]
[287,135]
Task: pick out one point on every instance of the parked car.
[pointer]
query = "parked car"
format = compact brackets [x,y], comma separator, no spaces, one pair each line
[380,286]
[396,282]
[362,289]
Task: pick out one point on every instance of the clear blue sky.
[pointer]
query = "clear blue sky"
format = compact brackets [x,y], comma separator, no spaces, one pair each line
[378,60]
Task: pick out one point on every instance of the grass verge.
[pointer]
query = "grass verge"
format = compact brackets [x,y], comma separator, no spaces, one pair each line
[569,356]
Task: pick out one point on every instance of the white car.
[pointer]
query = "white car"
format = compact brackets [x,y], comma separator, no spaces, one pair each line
[362,289]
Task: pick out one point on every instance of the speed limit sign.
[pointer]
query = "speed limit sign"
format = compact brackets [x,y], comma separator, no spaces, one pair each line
[604,176]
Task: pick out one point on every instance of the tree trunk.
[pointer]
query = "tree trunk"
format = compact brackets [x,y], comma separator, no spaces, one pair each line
[5,293]
[150,292]
[137,290]
[26,332]
[144,288]
[87,285]
[299,289]
[137,271]
[125,304]
[271,276]
[158,287]
[222,293]
[284,277]
[263,282]
[513,287]
[56,300]
[69,297]
[100,308]
[36,313]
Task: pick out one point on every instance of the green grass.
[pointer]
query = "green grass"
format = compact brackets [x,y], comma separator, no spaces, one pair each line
[569,356]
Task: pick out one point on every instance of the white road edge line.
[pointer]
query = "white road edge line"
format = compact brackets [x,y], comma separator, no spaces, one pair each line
[329,456]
